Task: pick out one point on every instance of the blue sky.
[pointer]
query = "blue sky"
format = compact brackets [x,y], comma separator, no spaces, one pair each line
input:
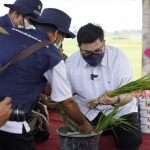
[110,14]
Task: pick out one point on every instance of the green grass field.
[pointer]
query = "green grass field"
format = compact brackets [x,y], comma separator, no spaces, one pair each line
[132,47]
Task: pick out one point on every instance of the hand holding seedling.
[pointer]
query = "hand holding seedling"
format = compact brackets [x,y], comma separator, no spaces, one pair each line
[105,100]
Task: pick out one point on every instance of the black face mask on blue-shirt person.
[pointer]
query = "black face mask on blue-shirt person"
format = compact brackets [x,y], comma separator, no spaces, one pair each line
[93,59]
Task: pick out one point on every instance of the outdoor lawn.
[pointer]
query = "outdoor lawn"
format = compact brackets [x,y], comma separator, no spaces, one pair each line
[132,47]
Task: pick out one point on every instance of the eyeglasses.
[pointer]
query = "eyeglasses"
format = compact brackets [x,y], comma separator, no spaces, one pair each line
[97,51]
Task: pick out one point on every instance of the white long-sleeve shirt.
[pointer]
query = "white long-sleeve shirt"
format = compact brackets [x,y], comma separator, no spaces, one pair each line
[114,67]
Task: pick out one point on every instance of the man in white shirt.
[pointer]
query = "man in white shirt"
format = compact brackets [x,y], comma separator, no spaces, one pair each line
[95,69]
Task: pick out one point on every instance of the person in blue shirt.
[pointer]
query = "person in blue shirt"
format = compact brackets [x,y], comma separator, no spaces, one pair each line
[20,12]
[5,104]
[26,79]
[18,17]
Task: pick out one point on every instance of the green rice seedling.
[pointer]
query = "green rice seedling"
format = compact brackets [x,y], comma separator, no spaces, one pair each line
[135,86]
[105,122]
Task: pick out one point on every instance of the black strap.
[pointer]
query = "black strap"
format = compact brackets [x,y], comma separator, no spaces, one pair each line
[24,53]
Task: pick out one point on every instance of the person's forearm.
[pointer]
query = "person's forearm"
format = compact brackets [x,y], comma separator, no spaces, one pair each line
[125,98]
[5,110]
[34,112]
[72,110]
[39,105]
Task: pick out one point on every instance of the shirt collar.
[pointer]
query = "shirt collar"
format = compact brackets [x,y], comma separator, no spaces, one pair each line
[104,60]
[11,21]
[7,21]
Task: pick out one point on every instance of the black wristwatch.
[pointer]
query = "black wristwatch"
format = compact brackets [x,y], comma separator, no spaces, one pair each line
[118,102]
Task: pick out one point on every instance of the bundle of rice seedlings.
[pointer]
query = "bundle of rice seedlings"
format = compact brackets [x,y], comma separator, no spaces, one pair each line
[105,122]
[135,86]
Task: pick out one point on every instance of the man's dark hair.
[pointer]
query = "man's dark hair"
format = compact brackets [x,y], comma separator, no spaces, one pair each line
[11,11]
[89,33]
[47,27]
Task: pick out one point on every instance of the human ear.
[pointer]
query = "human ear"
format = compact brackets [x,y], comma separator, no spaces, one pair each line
[56,34]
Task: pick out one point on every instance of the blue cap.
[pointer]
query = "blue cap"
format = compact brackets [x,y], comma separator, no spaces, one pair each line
[26,7]
[56,17]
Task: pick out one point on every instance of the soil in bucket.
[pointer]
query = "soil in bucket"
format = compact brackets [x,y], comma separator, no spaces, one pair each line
[77,142]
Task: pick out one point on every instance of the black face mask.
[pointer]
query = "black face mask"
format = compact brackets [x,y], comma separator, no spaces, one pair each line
[93,59]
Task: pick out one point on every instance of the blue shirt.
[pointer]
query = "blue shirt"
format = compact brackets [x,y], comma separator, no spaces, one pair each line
[5,21]
[25,80]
